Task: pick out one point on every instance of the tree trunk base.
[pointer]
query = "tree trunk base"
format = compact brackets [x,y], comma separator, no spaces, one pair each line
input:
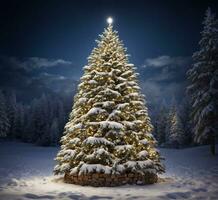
[110,180]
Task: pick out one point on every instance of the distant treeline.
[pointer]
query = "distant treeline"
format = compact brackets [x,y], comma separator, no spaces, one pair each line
[41,122]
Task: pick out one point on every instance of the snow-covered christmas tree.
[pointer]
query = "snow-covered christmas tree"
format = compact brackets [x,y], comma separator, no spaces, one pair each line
[203,86]
[108,139]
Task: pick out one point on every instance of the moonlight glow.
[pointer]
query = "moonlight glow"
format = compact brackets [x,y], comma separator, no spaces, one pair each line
[109,20]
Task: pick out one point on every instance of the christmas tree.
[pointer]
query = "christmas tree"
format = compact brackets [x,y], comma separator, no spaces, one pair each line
[108,139]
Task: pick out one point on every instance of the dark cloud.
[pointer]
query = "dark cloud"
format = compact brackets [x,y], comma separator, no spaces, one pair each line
[164,60]
[37,63]
[164,77]
[160,78]
[30,77]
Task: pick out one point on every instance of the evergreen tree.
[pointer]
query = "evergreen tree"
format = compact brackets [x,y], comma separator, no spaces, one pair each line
[161,120]
[54,132]
[61,117]
[203,86]
[28,132]
[11,112]
[175,132]
[109,130]
[185,116]
[19,121]
[171,111]
[4,121]
[41,117]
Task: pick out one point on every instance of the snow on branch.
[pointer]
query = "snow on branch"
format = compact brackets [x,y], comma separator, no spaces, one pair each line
[111,124]
[95,111]
[97,140]
[92,168]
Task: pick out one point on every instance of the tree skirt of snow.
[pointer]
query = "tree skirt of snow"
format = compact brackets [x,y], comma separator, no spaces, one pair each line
[26,173]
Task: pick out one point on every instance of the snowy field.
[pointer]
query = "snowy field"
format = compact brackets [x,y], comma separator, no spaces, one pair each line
[26,173]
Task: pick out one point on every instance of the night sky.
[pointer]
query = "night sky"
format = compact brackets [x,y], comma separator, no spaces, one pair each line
[46,43]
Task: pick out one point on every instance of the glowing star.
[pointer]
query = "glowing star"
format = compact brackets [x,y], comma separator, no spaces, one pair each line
[109,20]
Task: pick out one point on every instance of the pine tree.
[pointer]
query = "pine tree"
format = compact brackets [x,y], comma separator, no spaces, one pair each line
[203,86]
[11,112]
[4,121]
[109,130]
[185,116]
[19,121]
[175,132]
[42,121]
[161,120]
[54,132]
[61,117]
[171,111]
[38,129]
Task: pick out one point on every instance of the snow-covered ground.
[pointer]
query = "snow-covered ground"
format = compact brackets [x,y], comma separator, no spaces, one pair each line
[26,173]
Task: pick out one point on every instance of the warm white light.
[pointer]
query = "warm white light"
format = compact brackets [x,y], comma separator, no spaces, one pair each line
[109,20]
